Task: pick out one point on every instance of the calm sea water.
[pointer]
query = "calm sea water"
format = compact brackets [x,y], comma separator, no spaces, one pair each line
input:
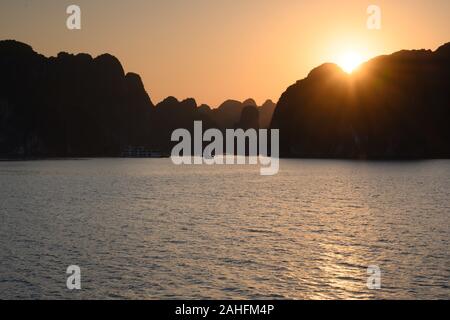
[146,229]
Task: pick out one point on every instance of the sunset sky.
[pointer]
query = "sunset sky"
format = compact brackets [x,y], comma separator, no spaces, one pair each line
[214,50]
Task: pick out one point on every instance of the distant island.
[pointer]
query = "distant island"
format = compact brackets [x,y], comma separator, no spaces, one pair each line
[79,106]
[394,106]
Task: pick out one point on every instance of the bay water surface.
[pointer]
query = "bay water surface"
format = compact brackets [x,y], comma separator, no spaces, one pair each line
[147,229]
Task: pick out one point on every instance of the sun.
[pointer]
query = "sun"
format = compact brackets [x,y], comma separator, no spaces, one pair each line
[349,61]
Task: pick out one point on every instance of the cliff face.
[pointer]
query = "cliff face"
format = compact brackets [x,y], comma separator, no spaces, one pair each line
[266,113]
[68,105]
[249,118]
[77,105]
[229,113]
[395,106]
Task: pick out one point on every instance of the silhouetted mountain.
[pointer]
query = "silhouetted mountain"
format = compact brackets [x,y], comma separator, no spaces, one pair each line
[249,102]
[69,104]
[266,113]
[394,106]
[76,105]
[249,118]
[204,108]
[228,114]
[171,114]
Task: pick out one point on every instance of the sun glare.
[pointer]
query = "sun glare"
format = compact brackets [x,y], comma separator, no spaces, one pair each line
[349,61]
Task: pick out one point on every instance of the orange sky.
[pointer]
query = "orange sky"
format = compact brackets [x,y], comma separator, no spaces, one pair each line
[214,50]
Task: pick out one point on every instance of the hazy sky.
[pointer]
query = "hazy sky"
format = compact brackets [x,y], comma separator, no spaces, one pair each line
[214,50]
